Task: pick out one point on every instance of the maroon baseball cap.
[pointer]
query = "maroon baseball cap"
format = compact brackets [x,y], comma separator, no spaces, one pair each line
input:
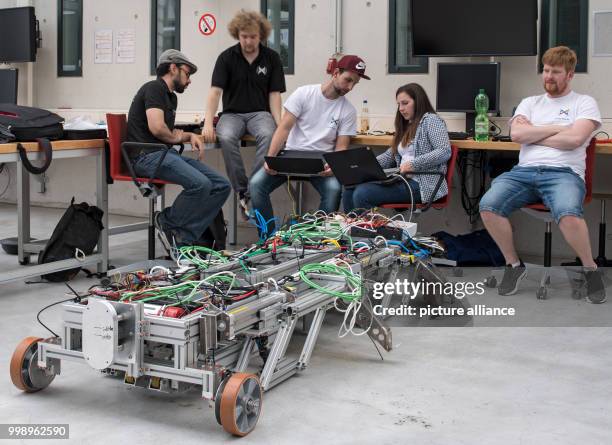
[354,64]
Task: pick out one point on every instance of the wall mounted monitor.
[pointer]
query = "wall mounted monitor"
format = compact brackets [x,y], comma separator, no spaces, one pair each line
[17,34]
[474,27]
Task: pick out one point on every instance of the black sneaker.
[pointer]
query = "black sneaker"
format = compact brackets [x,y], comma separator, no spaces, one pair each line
[512,279]
[596,291]
[165,236]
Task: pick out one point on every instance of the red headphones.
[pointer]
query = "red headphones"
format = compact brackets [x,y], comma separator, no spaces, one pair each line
[332,63]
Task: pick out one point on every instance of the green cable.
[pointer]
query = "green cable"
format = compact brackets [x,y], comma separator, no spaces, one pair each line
[332,269]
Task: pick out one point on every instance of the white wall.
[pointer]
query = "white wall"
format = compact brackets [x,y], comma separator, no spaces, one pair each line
[111,87]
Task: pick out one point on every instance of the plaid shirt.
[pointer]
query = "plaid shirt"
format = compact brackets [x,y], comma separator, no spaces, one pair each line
[432,151]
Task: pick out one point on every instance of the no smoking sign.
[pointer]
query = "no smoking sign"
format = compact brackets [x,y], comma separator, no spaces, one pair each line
[208,24]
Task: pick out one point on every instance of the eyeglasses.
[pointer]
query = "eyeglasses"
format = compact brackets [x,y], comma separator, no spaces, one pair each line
[187,73]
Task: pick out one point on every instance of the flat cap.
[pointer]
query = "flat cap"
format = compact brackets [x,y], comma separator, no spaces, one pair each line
[177,57]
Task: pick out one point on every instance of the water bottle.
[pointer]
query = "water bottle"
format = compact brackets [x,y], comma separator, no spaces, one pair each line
[364,123]
[481,123]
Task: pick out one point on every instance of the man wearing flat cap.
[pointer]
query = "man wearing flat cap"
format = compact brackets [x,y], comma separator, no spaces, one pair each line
[151,120]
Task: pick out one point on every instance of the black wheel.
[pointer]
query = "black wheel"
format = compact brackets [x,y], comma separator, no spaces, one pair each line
[240,404]
[25,373]
[542,293]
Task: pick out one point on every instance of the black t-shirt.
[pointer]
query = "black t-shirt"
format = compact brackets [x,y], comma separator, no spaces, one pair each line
[153,94]
[246,88]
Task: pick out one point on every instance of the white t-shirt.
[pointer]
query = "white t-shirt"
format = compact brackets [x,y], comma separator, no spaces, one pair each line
[407,153]
[319,120]
[546,110]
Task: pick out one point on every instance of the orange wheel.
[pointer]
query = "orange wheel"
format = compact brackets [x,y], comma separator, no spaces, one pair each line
[241,404]
[25,373]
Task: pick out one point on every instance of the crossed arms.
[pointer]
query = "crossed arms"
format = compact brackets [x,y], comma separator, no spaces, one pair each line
[554,136]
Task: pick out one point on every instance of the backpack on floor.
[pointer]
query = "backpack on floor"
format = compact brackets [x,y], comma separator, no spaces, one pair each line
[472,249]
[75,235]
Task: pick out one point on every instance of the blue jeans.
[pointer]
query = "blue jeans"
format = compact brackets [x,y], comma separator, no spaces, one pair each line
[204,192]
[370,194]
[262,185]
[559,188]
[230,129]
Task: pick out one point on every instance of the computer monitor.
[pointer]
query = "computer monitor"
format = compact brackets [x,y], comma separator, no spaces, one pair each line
[474,27]
[8,86]
[17,34]
[459,83]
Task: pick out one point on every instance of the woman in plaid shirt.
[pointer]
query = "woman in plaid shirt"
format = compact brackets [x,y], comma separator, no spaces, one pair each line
[420,143]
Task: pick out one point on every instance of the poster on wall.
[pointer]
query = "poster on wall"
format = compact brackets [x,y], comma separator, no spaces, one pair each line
[103,46]
[125,46]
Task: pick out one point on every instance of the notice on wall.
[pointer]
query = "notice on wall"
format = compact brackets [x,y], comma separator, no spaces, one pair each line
[103,46]
[125,46]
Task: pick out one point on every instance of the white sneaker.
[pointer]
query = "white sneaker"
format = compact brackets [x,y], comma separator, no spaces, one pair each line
[243,205]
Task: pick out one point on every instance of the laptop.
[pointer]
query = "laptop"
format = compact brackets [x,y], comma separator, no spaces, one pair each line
[297,162]
[358,165]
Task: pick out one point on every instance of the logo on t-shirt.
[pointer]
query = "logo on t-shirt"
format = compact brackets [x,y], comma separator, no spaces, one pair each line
[564,112]
[262,70]
[334,123]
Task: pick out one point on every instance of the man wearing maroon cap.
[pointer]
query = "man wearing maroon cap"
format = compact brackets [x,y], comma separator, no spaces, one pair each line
[317,118]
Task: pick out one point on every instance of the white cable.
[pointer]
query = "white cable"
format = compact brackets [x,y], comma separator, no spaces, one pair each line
[162,268]
[382,238]
[273,281]
[79,254]
[411,194]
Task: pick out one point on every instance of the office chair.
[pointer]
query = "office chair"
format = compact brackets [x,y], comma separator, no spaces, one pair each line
[121,169]
[438,204]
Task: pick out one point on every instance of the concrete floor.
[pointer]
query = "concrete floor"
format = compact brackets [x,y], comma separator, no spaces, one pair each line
[470,385]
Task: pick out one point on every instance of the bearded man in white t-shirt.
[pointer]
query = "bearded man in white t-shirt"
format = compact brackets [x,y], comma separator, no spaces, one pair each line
[554,130]
[316,118]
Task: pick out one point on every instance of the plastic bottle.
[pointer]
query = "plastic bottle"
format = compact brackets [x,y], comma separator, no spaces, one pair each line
[364,123]
[481,123]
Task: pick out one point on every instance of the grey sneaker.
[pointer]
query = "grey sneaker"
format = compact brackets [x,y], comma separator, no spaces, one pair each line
[165,236]
[512,279]
[596,291]
[243,205]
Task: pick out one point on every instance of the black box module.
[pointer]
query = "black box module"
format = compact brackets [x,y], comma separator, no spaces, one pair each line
[390,233]
[360,232]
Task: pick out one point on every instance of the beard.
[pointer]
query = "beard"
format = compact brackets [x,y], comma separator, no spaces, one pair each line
[339,92]
[551,87]
[178,86]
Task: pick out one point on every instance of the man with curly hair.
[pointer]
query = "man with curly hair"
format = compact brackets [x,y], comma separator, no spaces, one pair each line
[249,76]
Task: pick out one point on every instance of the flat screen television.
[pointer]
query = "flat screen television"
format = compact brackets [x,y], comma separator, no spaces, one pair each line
[474,27]
[17,34]
[458,84]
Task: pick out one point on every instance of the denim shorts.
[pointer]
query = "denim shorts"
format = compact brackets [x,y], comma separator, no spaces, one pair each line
[558,188]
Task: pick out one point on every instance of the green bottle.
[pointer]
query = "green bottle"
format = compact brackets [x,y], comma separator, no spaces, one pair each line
[481,122]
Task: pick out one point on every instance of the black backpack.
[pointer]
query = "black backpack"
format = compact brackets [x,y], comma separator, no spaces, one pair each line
[20,124]
[472,249]
[79,228]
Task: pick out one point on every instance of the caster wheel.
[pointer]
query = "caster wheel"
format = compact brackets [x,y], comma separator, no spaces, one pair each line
[25,373]
[541,293]
[25,261]
[491,281]
[240,404]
